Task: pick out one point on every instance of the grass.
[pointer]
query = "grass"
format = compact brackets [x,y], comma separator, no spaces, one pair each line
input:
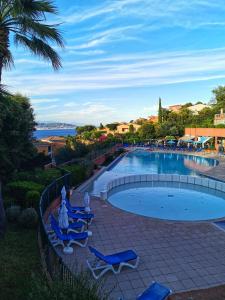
[19,258]
[21,275]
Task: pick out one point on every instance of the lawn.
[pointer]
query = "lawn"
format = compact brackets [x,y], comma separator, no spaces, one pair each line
[20,258]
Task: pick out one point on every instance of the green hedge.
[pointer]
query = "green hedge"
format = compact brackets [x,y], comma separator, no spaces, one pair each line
[45,177]
[19,189]
[78,173]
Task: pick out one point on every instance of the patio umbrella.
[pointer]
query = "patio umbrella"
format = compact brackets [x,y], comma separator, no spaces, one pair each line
[171,142]
[63,193]
[63,216]
[87,202]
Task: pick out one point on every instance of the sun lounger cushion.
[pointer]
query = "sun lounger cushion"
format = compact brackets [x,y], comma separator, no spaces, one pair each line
[155,292]
[116,258]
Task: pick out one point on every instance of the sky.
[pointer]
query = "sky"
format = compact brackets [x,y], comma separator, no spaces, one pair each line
[120,56]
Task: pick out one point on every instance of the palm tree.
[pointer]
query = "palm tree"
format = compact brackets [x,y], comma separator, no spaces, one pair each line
[25,22]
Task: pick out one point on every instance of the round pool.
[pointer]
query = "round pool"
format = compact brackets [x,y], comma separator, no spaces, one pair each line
[169,201]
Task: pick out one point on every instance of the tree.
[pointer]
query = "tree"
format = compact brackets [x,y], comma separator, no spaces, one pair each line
[25,21]
[160,113]
[131,128]
[219,94]
[147,131]
[16,147]
[88,128]
[112,126]
[101,126]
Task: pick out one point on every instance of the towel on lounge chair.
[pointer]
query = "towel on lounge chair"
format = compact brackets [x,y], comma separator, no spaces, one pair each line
[113,262]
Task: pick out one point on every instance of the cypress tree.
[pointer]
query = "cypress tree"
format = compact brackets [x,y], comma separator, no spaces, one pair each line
[160,112]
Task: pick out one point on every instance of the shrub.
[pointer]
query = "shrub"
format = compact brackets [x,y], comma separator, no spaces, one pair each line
[45,177]
[13,212]
[78,173]
[84,288]
[28,218]
[18,189]
[23,176]
[32,199]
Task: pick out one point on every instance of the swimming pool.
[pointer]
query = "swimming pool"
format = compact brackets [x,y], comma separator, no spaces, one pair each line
[145,162]
[169,201]
[142,162]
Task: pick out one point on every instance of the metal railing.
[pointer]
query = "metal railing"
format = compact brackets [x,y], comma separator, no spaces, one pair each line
[54,265]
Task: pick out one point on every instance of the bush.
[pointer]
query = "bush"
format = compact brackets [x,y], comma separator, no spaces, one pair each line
[83,288]
[23,176]
[32,199]
[28,218]
[13,212]
[45,177]
[19,189]
[78,173]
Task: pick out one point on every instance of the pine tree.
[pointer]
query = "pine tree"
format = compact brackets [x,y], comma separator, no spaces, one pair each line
[160,112]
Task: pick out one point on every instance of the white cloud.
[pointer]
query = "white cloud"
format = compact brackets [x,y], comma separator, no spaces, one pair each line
[95,112]
[138,70]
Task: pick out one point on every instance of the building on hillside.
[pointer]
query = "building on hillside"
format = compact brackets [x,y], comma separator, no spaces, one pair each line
[197,108]
[140,121]
[43,147]
[50,145]
[153,119]
[107,131]
[216,136]
[175,108]
[125,127]
[219,118]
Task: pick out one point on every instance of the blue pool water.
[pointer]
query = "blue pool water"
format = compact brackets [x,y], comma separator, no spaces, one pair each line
[170,201]
[143,162]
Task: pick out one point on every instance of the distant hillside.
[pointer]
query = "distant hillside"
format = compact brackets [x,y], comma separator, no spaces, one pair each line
[54,125]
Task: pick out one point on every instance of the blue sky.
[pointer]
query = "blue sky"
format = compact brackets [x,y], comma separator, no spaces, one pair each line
[121,56]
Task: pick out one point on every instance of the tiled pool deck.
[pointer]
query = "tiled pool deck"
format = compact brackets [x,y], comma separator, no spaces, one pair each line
[183,256]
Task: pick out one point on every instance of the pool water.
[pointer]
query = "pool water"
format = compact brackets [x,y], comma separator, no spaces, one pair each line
[143,162]
[178,202]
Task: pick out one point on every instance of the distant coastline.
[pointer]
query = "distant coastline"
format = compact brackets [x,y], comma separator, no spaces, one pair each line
[55,128]
[43,133]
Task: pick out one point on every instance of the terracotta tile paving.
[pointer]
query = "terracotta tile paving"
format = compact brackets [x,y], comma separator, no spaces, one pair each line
[183,256]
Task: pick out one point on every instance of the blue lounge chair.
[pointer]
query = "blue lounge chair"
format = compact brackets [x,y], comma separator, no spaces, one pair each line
[156,291]
[74,209]
[85,218]
[59,238]
[73,227]
[113,262]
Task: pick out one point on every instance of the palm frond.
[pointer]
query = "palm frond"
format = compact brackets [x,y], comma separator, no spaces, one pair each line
[40,30]
[4,91]
[8,61]
[34,8]
[40,48]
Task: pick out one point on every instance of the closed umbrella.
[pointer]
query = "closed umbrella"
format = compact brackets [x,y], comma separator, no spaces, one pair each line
[63,193]
[87,209]
[63,216]
[64,224]
[87,202]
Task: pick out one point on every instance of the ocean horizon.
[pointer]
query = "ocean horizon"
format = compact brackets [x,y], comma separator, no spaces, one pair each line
[39,134]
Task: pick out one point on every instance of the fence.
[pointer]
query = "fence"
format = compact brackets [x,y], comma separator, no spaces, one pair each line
[54,266]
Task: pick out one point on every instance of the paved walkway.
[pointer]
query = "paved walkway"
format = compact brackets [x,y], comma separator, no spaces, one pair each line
[183,256]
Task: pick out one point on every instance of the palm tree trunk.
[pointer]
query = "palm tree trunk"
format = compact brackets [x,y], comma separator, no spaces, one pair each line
[2,214]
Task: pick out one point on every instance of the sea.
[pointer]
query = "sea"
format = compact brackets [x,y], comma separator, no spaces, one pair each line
[39,134]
